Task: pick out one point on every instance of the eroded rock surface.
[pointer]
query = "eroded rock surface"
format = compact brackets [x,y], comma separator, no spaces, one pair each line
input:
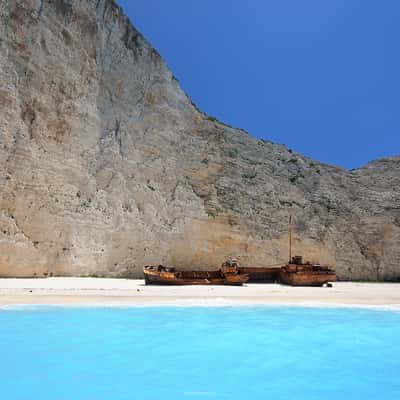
[107,165]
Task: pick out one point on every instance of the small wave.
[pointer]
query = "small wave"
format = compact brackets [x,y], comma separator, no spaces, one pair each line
[200,302]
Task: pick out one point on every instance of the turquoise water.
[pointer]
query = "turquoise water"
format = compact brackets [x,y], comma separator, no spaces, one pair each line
[199,353]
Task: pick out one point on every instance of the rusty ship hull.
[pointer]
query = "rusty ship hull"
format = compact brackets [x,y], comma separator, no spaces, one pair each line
[306,275]
[169,276]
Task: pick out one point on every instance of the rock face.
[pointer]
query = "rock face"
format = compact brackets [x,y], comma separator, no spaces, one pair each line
[107,165]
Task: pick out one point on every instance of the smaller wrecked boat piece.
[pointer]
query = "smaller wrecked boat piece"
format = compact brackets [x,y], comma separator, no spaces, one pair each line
[160,275]
[268,274]
[296,273]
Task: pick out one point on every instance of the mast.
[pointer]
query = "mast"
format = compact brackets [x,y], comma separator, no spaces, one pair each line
[290,238]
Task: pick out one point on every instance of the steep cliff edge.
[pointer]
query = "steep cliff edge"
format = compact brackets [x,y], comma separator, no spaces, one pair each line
[108,166]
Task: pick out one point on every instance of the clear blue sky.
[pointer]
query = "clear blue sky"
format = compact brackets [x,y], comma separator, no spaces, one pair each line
[322,77]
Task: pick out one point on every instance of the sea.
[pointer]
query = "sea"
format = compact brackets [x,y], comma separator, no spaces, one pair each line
[170,353]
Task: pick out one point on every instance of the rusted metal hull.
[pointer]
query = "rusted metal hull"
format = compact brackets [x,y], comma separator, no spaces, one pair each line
[261,274]
[306,275]
[153,276]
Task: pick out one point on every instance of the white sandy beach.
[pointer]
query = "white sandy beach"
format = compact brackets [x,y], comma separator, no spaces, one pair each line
[98,291]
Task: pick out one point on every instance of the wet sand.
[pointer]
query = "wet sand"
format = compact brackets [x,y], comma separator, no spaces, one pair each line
[123,292]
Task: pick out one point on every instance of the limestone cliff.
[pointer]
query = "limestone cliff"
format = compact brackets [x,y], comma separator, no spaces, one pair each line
[108,166]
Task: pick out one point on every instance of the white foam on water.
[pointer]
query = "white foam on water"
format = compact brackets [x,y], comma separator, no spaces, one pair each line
[202,302]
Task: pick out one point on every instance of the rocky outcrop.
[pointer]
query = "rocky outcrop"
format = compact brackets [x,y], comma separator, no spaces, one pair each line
[108,166]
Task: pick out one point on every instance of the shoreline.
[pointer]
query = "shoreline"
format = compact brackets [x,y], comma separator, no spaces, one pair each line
[197,303]
[105,292]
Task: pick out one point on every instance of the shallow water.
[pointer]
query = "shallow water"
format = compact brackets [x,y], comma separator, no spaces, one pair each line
[199,353]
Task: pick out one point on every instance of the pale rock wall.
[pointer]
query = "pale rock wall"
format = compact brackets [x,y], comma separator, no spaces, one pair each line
[108,166]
